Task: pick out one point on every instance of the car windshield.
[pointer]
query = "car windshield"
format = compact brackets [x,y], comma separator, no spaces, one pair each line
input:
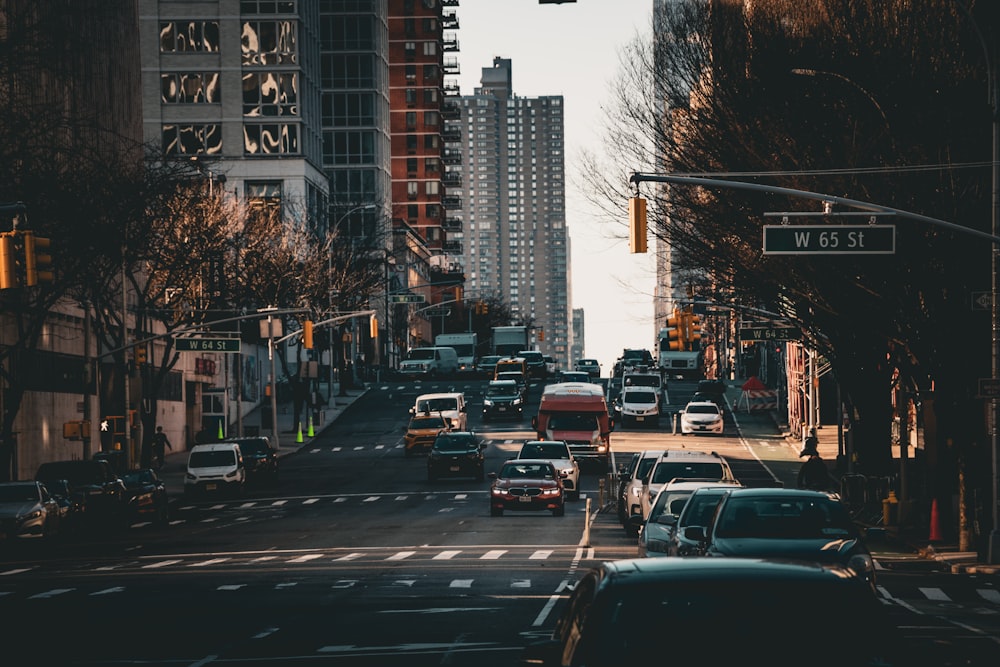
[544,450]
[212,458]
[254,447]
[435,404]
[785,518]
[701,409]
[17,493]
[669,502]
[427,423]
[700,507]
[642,381]
[501,390]
[668,470]
[527,471]
[452,443]
[643,397]
[136,477]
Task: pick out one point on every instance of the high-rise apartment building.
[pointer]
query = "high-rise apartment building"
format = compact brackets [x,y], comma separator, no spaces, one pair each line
[515,242]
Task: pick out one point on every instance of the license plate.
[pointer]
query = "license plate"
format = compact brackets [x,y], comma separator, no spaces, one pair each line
[524,499]
[454,468]
[639,419]
[210,487]
[501,409]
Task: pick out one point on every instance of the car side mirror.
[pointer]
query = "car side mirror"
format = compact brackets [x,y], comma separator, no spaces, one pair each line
[667,519]
[695,533]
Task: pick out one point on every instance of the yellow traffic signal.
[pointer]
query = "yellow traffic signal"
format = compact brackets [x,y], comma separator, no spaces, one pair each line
[637,224]
[693,329]
[307,334]
[8,261]
[373,326]
[37,260]
[541,333]
[675,334]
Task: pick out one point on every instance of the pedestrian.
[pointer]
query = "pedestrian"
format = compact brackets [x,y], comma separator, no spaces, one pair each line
[813,474]
[160,445]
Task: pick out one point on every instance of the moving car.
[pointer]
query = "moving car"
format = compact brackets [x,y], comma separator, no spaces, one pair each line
[456,454]
[215,468]
[486,366]
[517,377]
[718,613]
[527,485]
[558,452]
[574,376]
[430,362]
[795,524]
[259,458]
[697,511]
[450,405]
[661,524]
[701,417]
[27,509]
[590,366]
[421,432]
[536,363]
[503,400]
[93,484]
[639,406]
[147,496]
[681,464]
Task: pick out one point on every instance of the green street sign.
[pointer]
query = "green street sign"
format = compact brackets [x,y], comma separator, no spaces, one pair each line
[407,298]
[829,239]
[207,344]
[769,333]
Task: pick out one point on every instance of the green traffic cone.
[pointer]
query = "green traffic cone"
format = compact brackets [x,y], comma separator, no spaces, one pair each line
[310,432]
[298,437]
[221,435]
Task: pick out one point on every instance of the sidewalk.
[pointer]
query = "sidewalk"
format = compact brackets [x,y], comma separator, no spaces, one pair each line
[175,464]
[909,538]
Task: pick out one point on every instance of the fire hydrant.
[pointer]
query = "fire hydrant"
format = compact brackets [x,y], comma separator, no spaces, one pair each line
[890,507]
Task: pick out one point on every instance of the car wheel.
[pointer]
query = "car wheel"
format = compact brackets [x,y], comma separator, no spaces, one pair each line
[496,511]
[560,511]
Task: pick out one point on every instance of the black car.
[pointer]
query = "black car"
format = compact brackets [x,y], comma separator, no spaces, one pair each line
[93,484]
[259,458]
[719,613]
[147,496]
[503,400]
[456,454]
[712,387]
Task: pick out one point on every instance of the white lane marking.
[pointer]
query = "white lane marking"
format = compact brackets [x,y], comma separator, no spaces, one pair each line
[493,554]
[340,500]
[278,502]
[15,571]
[401,555]
[371,499]
[336,449]
[445,555]
[460,583]
[344,583]
[245,505]
[520,583]
[108,591]
[310,501]
[262,559]
[934,594]
[541,554]
[50,594]
[264,633]
[989,594]
[350,556]
[461,496]
[304,558]
[162,563]
[230,587]
[401,497]
[210,561]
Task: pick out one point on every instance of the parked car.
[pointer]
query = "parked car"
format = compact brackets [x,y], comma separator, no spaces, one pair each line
[215,468]
[503,400]
[718,613]
[27,509]
[70,507]
[456,454]
[677,465]
[697,511]
[590,366]
[527,485]
[421,432]
[795,524]
[630,487]
[558,452]
[147,496]
[701,417]
[93,484]
[661,525]
[259,458]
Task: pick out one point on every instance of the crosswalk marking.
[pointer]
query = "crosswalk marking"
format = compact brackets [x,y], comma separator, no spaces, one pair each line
[310,501]
[262,559]
[159,564]
[50,594]
[279,503]
[461,583]
[990,595]
[371,499]
[493,554]
[108,591]
[401,555]
[350,556]
[15,571]
[541,554]
[401,497]
[520,583]
[305,558]
[210,561]
[230,587]
[935,594]
[446,555]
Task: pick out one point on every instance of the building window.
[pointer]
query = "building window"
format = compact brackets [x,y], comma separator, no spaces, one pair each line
[339,32]
[190,88]
[430,96]
[434,211]
[410,49]
[264,197]
[411,97]
[411,166]
[271,139]
[270,94]
[432,141]
[432,187]
[189,36]
[430,26]
[192,139]
[409,27]
[269,43]
[348,109]
[411,189]
[349,70]
[266,7]
[432,166]
[430,73]
[411,120]
[353,147]
[430,48]
[411,143]
[411,73]
[412,211]
[431,118]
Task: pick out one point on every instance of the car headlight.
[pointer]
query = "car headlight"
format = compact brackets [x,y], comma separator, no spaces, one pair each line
[487,402]
[550,492]
[34,514]
[517,401]
[861,564]
[568,471]
[636,491]
[497,492]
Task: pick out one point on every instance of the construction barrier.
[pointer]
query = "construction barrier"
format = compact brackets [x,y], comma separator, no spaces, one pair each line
[758,399]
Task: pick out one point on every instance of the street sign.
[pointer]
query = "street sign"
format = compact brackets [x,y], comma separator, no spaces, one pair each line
[207,344]
[407,298]
[769,333]
[982,300]
[989,388]
[437,312]
[829,239]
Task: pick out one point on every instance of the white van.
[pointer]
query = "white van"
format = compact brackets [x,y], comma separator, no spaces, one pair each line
[450,405]
[430,362]
[215,468]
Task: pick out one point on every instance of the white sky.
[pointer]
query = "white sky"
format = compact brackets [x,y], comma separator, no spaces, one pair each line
[572,49]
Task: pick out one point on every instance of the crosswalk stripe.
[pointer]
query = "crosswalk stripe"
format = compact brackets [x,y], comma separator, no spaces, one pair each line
[158,564]
[989,594]
[278,503]
[50,594]
[520,583]
[446,555]
[460,583]
[401,555]
[493,554]
[310,501]
[541,554]
[211,561]
[304,558]
[350,556]
[934,594]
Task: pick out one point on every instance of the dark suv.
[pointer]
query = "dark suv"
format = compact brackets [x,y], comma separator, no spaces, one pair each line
[536,363]
[503,400]
[259,458]
[93,484]
[456,454]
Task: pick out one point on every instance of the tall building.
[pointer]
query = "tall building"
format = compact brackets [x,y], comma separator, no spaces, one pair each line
[515,242]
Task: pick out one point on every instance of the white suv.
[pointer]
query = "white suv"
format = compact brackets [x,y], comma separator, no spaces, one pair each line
[630,487]
[678,464]
[450,405]
[639,406]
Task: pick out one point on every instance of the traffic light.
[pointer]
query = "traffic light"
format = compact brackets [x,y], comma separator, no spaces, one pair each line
[373,326]
[37,260]
[541,333]
[307,334]
[637,224]
[8,261]
[693,329]
[675,333]
[458,293]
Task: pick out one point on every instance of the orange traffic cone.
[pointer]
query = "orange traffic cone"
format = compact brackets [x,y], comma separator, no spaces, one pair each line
[935,531]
